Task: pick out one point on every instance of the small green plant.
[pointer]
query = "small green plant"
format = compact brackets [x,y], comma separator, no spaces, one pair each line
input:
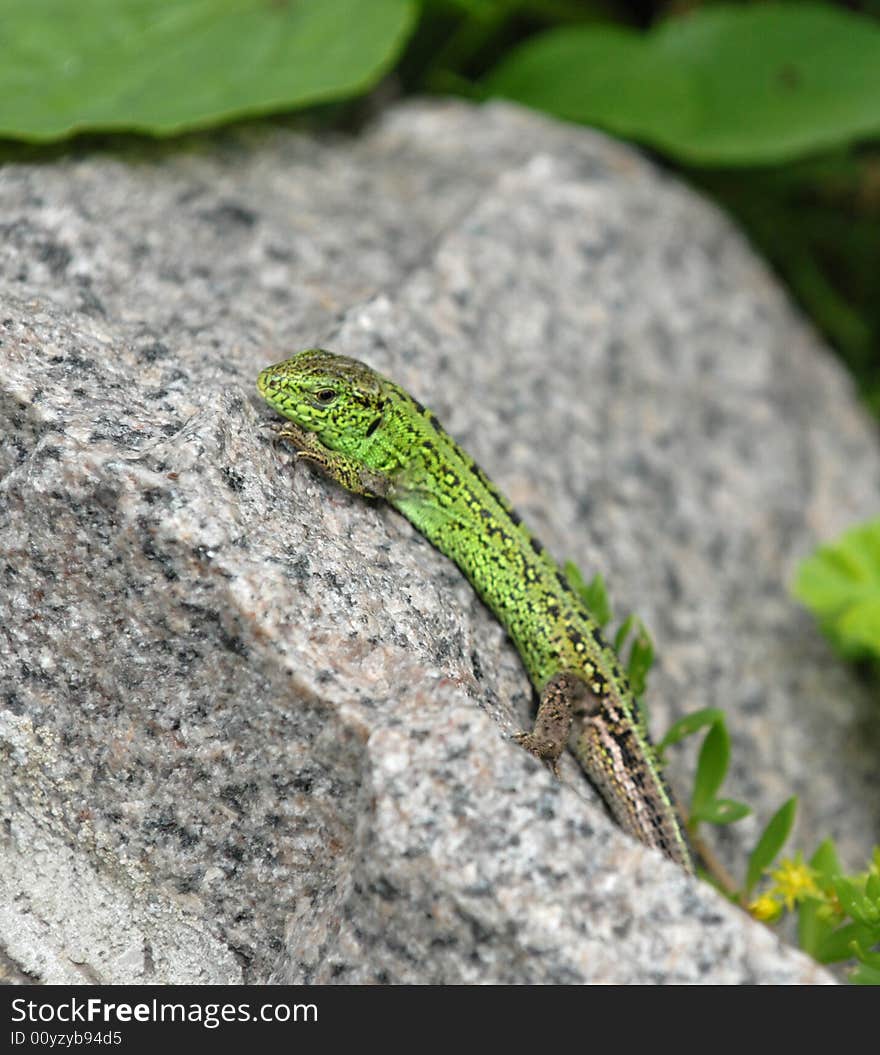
[712,766]
[838,914]
[840,584]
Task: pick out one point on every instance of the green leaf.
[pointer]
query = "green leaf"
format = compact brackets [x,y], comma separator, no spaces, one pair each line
[858,896]
[838,945]
[814,927]
[641,659]
[711,768]
[771,842]
[593,594]
[825,864]
[721,811]
[622,633]
[164,66]
[840,584]
[691,723]
[816,923]
[723,85]
[856,903]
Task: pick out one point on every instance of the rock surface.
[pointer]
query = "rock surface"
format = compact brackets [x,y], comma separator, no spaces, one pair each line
[256,728]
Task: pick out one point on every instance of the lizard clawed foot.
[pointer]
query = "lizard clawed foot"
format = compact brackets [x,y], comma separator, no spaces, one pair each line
[273,428]
[542,748]
[281,431]
[305,445]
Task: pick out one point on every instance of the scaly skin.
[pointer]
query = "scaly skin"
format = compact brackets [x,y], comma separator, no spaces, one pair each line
[374,439]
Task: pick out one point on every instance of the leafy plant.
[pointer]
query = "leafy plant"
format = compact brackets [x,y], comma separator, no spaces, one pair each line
[712,766]
[729,84]
[773,838]
[838,914]
[840,584]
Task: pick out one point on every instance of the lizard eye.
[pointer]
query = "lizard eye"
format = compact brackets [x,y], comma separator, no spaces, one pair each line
[325,396]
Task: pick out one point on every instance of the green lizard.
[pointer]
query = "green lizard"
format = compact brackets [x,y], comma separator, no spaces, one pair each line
[373,438]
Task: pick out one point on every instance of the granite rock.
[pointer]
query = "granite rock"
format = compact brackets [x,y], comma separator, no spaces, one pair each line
[256,728]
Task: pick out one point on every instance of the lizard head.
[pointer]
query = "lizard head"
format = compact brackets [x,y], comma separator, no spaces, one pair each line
[339,399]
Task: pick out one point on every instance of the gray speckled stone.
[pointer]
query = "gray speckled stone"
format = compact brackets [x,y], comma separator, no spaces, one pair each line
[256,728]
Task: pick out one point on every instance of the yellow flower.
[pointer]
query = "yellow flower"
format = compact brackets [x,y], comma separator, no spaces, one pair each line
[765,908]
[793,881]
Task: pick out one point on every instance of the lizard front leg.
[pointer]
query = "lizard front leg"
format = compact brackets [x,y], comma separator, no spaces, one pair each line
[549,735]
[339,467]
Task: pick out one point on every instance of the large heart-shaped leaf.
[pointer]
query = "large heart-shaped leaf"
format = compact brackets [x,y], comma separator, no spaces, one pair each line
[165,66]
[722,85]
